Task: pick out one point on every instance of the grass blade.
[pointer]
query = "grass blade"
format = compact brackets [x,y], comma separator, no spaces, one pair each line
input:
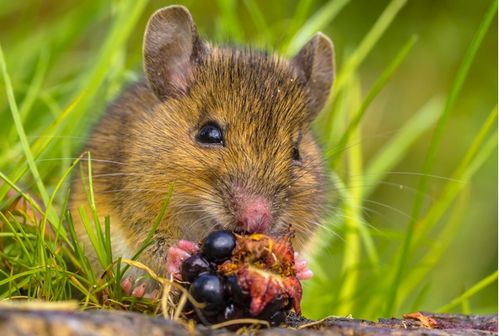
[327,117]
[33,90]
[453,189]
[229,22]
[434,254]
[353,211]
[259,20]
[373,92]
[145,244]
[20,130]
[301,12]
[472,160]
[346,197]
[124,24]
[40,145]
[323,17]
[398,146]
[58,229]
[157,221]
[369,41]
[20,236]
[489,280]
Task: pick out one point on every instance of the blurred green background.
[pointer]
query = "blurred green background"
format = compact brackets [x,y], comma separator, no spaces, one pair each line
[56,51]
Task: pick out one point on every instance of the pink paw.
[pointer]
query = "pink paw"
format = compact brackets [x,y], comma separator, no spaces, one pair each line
[143,288]
[302,270]
[176,255]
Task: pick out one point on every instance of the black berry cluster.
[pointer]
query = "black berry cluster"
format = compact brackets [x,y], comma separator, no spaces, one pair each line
[222,295]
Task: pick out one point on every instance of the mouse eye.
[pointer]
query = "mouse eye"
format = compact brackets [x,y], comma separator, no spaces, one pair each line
[296,154]
[210,134]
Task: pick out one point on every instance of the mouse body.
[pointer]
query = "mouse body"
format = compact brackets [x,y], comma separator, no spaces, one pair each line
[227,128]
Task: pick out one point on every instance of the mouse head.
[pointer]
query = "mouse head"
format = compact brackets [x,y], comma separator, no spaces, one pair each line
[232,129]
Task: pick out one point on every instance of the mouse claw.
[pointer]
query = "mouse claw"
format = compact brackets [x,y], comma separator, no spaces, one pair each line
[152,295]
[176,255]
[302,270]
[134,284]
[139,291]
[126,285]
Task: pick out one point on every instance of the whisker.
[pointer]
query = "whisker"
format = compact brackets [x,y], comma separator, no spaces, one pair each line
[81,159]
[400,212]
[34,137]
[412,173]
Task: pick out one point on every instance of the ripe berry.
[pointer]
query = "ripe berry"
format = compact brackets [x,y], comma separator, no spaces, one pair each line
[236,293]
[208,288]
[218,246]
[277,318]
[232,312]
[278,303]
[194,266]
[275,311]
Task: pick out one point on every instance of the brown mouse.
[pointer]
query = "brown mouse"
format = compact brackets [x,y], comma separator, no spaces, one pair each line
[228,128]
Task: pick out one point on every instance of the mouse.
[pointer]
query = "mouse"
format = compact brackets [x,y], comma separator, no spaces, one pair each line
[228,129]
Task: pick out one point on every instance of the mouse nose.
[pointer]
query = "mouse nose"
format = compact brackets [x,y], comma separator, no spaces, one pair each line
[254,215]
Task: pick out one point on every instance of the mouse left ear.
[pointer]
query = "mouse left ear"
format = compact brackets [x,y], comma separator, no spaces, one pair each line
[172,50]
[315,63]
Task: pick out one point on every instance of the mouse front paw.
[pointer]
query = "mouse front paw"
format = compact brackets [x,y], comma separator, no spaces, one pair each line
[302,270]
[176,255]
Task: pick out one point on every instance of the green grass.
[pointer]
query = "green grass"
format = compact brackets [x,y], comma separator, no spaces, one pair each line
[432,152]
[407,191]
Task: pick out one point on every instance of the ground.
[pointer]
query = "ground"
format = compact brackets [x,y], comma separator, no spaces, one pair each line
[65,319]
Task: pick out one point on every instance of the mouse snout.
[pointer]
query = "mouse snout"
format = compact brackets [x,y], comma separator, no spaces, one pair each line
[254,214]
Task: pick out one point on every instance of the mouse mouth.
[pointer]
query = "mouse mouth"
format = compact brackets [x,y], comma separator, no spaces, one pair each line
[273,231]
[212,224]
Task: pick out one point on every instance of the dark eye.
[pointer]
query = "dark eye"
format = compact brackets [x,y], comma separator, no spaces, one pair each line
[210,134]
[296,154]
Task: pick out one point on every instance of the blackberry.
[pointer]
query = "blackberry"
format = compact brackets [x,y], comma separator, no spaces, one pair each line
[277,318]
[193,266]
[218,246]
[209,289]
[232,312]
[236,293]
[279,304]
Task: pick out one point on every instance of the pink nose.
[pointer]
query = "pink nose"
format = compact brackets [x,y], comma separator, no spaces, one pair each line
[255,215]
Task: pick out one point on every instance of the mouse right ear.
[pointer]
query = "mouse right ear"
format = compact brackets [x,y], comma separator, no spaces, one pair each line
[172,49]
[315,63]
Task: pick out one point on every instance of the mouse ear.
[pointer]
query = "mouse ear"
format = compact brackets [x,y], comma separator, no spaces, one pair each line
[172,50]
[315,63]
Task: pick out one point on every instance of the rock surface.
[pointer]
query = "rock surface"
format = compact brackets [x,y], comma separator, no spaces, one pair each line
[35,319]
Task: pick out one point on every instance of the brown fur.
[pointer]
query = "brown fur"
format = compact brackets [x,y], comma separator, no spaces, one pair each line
[146,142]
